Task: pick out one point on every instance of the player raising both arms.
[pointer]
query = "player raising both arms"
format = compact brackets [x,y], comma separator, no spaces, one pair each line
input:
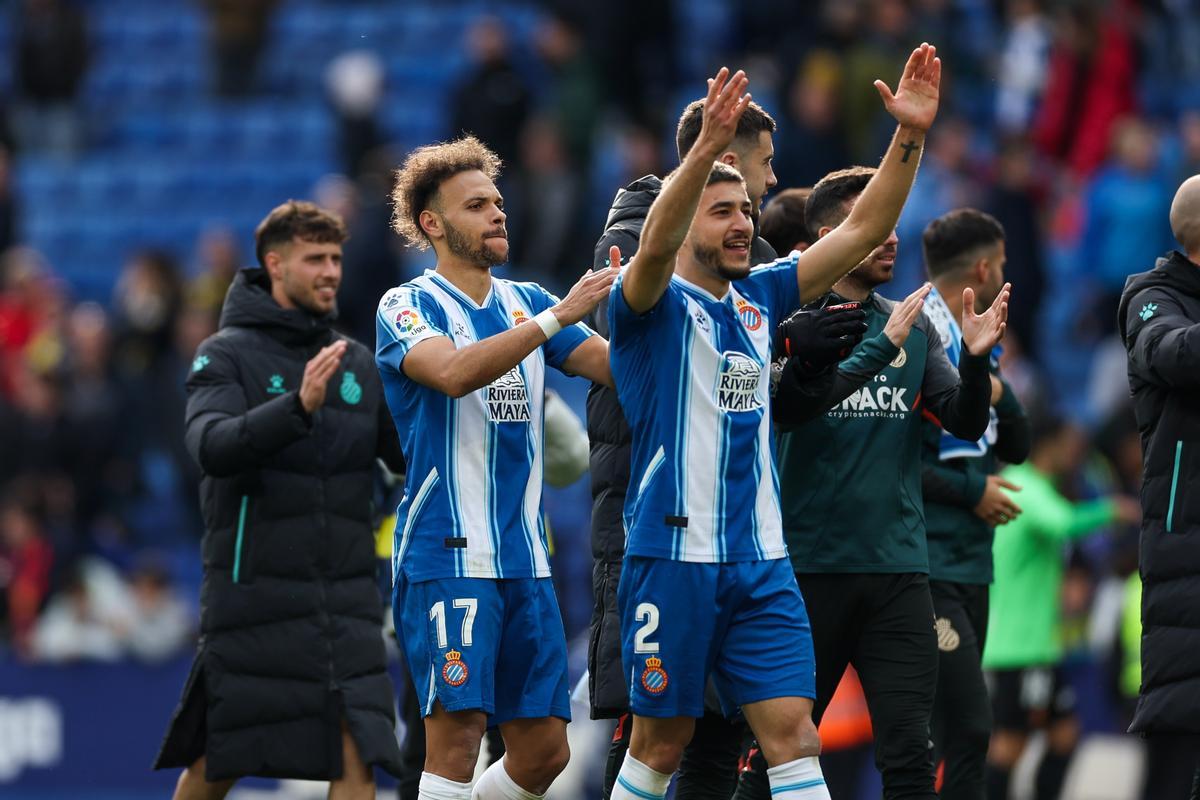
[705,586]
[463,358]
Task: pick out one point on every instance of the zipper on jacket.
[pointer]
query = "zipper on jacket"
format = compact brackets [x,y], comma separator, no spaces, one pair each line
[1174,485]
[241,530]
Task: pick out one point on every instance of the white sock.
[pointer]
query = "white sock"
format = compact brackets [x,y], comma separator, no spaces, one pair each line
[435,787]
[636,781]
[798,780]
[496,784]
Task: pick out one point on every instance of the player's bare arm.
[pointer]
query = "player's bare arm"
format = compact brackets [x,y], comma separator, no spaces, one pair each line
[874,216]
[590,360]
[438,364]
[669,218]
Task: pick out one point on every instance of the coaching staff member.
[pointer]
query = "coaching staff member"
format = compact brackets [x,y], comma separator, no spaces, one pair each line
[1159,320]
[287,418]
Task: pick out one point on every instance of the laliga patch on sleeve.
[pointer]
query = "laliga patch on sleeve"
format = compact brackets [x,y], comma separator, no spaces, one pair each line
[409,322]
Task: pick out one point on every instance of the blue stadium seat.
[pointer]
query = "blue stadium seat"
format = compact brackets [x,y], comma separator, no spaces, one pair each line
[169,158]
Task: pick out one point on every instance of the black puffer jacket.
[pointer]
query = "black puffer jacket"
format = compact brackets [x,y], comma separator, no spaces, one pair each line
[610,438]
[290,615]
[1159,320]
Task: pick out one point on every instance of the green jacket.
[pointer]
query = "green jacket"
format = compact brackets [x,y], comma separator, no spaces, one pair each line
[1023,612]
[960,543]
[850,477]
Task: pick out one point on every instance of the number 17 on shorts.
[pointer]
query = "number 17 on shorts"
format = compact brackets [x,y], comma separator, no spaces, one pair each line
[495,646]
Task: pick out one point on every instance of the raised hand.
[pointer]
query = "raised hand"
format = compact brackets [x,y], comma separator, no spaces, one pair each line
[905,313]
[915,103]
[587,293]
[723,108]
[317,373]
[982,332]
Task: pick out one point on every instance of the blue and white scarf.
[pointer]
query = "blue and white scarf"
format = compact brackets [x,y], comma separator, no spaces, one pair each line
[950,331]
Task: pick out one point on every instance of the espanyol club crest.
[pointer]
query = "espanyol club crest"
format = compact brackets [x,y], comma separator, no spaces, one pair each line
[455,672]
[519,316]
[654,677]
[749,315]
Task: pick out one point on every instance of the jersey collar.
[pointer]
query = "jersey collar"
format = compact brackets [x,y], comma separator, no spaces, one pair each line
[704,293]
[454,290]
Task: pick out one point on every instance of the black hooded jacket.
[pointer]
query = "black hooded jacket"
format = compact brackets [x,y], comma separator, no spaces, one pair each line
[1159,321]
[609,434]
[290,616]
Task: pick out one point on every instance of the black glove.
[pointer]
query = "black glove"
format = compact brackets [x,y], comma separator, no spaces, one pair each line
[818,338]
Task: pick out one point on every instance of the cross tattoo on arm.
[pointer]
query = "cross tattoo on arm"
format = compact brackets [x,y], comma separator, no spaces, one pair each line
[908,148]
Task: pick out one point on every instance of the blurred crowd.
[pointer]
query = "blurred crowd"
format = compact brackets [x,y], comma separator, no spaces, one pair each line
[1071,122]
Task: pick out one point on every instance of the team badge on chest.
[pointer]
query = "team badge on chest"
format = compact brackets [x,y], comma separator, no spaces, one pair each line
[749,315]
[654,677]
[455,672]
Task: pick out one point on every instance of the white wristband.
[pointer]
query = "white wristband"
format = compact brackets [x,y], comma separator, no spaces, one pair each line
[548,323]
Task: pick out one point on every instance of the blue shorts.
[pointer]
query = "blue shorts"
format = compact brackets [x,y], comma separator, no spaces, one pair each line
[495,646]
[744,623]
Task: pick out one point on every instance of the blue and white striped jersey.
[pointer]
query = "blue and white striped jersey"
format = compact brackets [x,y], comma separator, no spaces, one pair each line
[473,504]
[693,377]
[950,331]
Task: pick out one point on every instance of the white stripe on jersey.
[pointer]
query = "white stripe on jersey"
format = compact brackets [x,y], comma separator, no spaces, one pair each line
[432,694]
[534,372]
[414,511]
[651,468]
[701,447]
[767,519]
[470,505]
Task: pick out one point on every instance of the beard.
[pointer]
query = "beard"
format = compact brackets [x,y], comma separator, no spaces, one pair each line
[306,298]
[871,271]
[477,253]
[713,258]
[987,295]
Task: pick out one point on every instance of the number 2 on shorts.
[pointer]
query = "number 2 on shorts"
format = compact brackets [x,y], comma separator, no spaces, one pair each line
[647,614]
[438,615]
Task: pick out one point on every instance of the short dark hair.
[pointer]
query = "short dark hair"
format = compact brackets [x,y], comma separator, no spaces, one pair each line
[826,206]
[423,173]
[754,121]
[720,173]
[723,173]
[782,221]
[297,219]
[953,240]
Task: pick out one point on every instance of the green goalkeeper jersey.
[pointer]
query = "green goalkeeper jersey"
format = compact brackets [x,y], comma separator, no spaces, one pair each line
[1024,608]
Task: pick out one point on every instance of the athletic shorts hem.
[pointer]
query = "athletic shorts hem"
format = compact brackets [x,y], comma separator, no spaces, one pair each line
[777,693]
[461,705]
[562,712]
[864,569]
[421,576]
[680,710]
[969,578]
[736,557]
